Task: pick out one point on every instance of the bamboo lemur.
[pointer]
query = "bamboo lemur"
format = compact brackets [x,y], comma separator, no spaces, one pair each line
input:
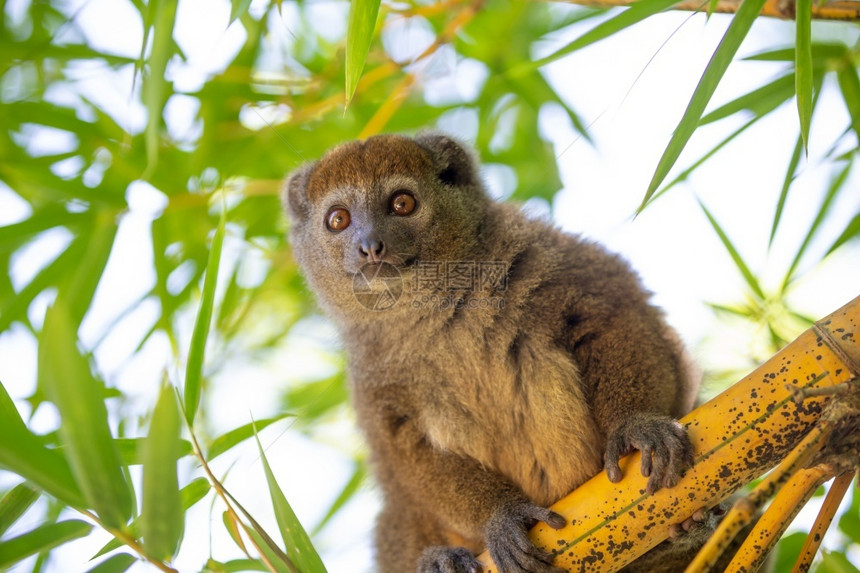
[480,414]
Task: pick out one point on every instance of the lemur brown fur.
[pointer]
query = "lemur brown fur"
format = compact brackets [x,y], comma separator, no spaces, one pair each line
[480,414]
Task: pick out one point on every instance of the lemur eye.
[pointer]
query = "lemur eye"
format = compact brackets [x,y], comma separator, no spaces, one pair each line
[402,203]
[337,219]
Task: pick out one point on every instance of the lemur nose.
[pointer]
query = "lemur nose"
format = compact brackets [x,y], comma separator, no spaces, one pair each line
[372,250]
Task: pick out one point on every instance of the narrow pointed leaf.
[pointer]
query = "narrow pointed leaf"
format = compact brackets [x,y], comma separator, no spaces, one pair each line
[236,565]
[194,492]
[786,185]
[154,93]
[299,547]
[131,449]
[23,453]
[191,494]
[712,5]
[15,308]
[760,101]
[238,8]
[362,22]
[823,210]
[162,519]
[682,176]
[226,441]
[41,539]
[792,170]
[279,563]
[89,448]
[737,31]
[347,493]
[852,231]
[233,530]
[51,216]
[849,83]
[15,503]
[116,564]
[821,52]
[196,354]
[749,277]
[89,268]
[636,12]
[803,67]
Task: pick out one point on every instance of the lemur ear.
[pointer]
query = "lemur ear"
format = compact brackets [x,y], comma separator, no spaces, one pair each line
[454,162]
[295,192]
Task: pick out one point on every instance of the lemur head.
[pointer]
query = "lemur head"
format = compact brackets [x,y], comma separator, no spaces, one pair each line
[388,199]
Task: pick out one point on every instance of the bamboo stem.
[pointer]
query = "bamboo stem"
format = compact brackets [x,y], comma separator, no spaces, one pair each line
[746,508]
[845,10]
[229,500]
[822,522]
[131,542]
[737,436]
[776,519]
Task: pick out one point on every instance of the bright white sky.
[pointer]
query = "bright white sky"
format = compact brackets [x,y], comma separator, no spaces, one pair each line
[671,244]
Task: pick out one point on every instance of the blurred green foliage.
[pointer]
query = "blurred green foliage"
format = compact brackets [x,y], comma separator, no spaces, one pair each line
[75,167]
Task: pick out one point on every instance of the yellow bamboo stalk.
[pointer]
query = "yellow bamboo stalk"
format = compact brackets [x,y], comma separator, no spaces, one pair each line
[846,10]
[746,508]
[737,436]
[822,522]
[776,519]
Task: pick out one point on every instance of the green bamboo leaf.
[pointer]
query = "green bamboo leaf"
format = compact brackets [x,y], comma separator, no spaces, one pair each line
[24,454]
[194,492]
[89,268]
[299,547]
[712,5]
[15,503]
[238,8]
[155,85]
[147,16]
[849,83]
[41,539]
[760,101]
[852,231]
[355,482]
[362,22]
[682,176]
[786,185]
[116,564]
[190,494]
[65,375]
[792,169]
[162,520]
[737,31]
[823,210]
[821,53]
[749,277]
[197,351]
[743,312]
[636,12]
[277,561]
[15,308]
[226,441]
[235,565]
[51,216]
[131,450]
[232,527]
[803,67]
[835,562]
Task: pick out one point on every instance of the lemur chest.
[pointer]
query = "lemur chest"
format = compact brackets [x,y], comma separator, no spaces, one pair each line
[517,408]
